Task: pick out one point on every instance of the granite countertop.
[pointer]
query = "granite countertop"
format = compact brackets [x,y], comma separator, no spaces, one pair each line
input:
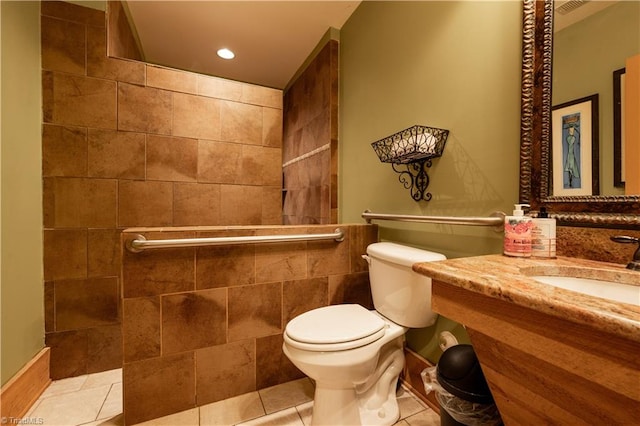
[509,279]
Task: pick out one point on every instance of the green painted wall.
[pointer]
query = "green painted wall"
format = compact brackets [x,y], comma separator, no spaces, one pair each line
[454,65]
[21,179]
[585,56]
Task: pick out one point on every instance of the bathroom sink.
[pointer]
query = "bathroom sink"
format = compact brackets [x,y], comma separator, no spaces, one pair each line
[616,284]
[612,290]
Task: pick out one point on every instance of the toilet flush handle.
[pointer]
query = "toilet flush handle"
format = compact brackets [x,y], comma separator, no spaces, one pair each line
[367,258]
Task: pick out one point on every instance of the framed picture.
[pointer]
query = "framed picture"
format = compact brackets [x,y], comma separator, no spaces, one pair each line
[618,127]
[574,147]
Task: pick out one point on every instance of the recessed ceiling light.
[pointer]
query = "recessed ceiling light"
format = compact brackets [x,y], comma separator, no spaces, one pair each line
[226,53]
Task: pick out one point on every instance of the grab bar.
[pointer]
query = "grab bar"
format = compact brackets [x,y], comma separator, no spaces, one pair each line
[139,243]
[496,219]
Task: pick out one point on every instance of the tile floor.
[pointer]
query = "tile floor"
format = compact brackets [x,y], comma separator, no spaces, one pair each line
[96,399]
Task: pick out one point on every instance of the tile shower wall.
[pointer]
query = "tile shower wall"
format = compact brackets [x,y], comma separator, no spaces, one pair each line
[205,324]
[310,153]
[131,144]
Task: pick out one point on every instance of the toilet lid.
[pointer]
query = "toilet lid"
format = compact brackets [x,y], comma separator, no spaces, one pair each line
[334,324]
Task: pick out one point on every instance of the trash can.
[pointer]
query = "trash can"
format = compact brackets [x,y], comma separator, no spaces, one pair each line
[461,389]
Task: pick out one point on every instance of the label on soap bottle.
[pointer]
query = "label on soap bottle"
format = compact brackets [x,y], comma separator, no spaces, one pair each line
[517,236]
[543,238]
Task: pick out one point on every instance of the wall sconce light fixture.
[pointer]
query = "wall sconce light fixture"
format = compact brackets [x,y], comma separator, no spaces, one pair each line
[412,148]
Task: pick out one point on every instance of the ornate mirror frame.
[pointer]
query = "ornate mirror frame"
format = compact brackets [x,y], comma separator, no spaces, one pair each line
[535,132]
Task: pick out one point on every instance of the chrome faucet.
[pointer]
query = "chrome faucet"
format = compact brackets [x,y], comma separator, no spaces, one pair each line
[635,262]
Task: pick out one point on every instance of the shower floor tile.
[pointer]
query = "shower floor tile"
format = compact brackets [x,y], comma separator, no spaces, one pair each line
[96,400]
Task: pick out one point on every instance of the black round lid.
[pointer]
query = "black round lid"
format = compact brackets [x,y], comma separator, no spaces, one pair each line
[460,374]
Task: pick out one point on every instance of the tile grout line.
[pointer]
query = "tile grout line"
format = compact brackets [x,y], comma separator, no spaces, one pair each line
[300,412]
[104,402]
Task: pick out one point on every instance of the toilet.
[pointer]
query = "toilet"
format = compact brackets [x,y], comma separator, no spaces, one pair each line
[354,355]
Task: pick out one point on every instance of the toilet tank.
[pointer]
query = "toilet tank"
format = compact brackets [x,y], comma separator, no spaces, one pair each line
[399,293]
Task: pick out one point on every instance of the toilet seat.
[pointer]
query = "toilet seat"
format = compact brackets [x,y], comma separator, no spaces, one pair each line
[334,328]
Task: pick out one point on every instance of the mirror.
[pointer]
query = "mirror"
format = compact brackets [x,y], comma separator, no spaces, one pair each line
[616,211]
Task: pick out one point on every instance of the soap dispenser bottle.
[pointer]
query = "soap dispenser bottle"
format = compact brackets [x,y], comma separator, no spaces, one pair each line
[517,233]
[543,236]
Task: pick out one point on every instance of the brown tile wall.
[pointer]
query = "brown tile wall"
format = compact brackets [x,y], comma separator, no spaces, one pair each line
[310,148]
[130,144]
[204,324]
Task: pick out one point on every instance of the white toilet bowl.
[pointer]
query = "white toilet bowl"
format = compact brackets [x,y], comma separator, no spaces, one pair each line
[355,355]
[357,385]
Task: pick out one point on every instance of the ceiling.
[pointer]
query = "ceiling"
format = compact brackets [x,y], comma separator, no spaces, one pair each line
[271,39]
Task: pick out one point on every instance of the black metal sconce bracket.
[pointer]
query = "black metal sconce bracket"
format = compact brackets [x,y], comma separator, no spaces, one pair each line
[415,178]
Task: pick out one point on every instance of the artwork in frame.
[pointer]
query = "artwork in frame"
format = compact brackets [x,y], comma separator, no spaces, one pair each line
[618,128]
[574,147]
